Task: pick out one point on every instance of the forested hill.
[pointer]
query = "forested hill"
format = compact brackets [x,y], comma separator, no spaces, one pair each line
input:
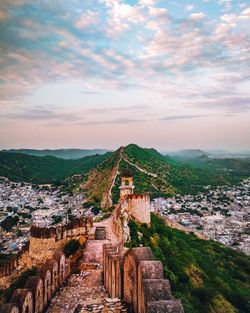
[42,170]
[157,174]
[60,153]
[207,276]
[99,175]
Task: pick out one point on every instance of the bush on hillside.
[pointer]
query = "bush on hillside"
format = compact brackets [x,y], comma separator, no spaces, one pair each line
[71,247]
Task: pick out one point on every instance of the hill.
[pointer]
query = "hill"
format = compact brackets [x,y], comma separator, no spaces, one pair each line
[43,170]
[207,276]
[60,153]
[99,175]
[188,153]
[155,173]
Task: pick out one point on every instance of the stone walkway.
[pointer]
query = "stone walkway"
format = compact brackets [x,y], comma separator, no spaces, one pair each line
[85,292]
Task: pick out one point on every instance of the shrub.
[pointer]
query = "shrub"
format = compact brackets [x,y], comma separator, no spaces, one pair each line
[71,247]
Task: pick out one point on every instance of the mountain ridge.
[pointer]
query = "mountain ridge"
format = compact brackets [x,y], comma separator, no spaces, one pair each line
[67,154]
[99,176]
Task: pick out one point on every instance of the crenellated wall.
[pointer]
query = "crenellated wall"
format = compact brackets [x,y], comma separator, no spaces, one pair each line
[139,207]
[43,243]
[130,207]
[134,276]
[39,289]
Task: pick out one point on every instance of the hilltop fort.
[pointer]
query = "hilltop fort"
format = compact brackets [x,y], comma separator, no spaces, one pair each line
[131,275]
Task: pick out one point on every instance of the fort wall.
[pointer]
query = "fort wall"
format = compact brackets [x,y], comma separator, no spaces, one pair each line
[134,276]
[129,207]
[39,289]
[42,244]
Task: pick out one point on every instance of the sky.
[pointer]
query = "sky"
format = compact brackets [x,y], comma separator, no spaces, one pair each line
[105,73]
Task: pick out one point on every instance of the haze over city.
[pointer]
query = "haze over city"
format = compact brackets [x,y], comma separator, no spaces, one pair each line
[88,74]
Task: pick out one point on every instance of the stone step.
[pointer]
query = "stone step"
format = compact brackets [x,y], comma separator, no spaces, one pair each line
[157,289]
[165,306]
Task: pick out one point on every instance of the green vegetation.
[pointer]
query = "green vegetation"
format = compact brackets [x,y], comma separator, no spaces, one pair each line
[60,153]
[153,172]
[4,259]
[174,177]
[98,181]
[71,247]
[56,219]
[207,276]
[9,222]
[43,170]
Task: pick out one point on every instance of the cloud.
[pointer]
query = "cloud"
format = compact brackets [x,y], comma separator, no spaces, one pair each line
[118,45]
[148,2]
[182,117]
[190,7]
[87,20]
[90,92]
[113,121]
[197,16]
[232,104]
[42,114]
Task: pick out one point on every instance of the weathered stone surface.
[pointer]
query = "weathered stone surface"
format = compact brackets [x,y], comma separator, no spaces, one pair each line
[157,289]
[23,300]
[35,284]
[8,308]
[167,306]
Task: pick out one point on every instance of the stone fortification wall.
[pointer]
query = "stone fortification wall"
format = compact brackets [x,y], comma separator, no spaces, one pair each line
[42,245]
[139,207]
[45,241]
[134,276]
[12,264]
[39,289]
[131,206]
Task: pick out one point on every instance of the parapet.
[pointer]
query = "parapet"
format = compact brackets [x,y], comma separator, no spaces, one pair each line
[40,288]
[137,278]
[42,232]
[61,231]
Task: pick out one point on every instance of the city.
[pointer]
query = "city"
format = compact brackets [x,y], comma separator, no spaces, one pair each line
[222,214]
[24,204]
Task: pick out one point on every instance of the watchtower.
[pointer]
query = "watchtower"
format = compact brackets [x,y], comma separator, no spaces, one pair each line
[127,187]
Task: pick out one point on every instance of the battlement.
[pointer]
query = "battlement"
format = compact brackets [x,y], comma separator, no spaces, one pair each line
[45,241]
[39,289]
[134,276]
[61,231]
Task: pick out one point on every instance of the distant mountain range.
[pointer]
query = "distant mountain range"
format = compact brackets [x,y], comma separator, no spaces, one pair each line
[60,153]
[99,175]
[194,153]
[43,170]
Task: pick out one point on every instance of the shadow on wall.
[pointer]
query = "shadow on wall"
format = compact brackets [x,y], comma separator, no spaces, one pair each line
[39,290]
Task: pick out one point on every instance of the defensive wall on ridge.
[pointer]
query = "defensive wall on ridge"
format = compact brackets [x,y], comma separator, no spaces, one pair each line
[130,206]
[134,276]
